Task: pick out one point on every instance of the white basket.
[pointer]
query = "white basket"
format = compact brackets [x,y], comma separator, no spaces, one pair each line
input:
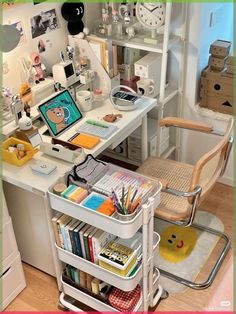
[92,302]
[123,283]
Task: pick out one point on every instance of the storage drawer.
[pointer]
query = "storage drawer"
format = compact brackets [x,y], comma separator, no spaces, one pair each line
[10,251]
[13,281]
[164,145]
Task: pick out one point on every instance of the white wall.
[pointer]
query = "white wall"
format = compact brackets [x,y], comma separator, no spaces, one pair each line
[55,40]
[201,35]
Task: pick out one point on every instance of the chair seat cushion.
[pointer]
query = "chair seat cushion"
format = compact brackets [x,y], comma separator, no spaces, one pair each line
[178,176]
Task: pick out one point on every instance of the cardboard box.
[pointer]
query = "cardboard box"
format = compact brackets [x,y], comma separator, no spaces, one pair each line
[217,82]
[217,64]
[216,103]
[220,48]
[231,61]
[217,91]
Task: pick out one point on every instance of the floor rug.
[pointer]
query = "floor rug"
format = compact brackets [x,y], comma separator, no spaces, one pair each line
[184,251]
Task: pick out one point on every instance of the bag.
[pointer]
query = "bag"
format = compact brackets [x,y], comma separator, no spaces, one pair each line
[87,172]
[124,301]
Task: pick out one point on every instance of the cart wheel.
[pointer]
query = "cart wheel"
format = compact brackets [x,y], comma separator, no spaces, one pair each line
[164,295]
[62,307]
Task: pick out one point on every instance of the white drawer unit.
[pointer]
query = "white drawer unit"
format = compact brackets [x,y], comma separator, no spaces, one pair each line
[134,141]
[12,276]
[13,281]
[9,246]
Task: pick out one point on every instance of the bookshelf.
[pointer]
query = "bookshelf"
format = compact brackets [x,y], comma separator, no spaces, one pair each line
[169,100]
[146,274]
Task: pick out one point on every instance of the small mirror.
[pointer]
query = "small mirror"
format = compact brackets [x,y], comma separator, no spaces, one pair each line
[10,37]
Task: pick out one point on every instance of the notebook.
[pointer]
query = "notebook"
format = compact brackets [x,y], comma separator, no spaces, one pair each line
[84,140]
[97,130]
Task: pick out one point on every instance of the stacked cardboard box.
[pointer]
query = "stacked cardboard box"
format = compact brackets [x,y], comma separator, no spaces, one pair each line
[217,80]
[219,51]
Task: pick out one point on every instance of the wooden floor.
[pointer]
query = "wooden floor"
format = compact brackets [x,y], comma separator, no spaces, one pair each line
[41,293]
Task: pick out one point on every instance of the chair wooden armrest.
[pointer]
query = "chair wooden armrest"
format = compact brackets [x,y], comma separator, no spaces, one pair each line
[186,124]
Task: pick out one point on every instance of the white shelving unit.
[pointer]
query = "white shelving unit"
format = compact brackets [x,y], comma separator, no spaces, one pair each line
[146,275]
[167,92]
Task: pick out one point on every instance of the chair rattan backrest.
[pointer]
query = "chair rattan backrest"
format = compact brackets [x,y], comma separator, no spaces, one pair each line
[209,167]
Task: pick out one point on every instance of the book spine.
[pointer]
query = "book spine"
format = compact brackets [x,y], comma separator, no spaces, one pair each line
[76,275]
[91,248]
[60,235]
[72,240]
[65,246]
[67,235]
[82,279]
[86,246]
[82,244]
[77,243]
[56,234]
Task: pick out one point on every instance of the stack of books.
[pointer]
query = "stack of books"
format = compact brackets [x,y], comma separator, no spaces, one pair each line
[79,238]
[86,282]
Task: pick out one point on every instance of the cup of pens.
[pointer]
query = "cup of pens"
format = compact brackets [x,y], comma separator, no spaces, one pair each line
[126,202]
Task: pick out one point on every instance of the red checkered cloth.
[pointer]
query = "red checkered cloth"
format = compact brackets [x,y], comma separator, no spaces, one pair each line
[124,301]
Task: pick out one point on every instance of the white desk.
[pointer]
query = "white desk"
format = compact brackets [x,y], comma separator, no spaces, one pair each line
[26,192]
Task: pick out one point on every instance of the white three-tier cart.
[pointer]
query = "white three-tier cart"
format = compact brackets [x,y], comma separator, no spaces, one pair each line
[146,275]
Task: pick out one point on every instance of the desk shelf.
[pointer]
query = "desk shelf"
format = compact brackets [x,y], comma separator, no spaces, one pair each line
[89,300]
[123,283]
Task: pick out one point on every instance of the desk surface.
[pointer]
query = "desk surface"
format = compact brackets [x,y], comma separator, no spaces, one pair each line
[26,179]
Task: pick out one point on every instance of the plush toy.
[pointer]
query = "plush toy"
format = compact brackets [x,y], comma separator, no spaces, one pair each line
[73,13]
[38,67]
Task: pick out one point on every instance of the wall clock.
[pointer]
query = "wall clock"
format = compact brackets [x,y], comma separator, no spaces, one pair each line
[150,15]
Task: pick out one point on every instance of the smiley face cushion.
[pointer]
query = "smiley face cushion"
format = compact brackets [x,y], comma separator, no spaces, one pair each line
[177,243]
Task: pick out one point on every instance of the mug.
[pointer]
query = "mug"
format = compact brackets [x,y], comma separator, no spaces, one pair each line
[145,87]
[84,100]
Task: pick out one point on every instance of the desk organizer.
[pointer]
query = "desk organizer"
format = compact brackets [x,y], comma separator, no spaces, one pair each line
[146,275]
[11,157]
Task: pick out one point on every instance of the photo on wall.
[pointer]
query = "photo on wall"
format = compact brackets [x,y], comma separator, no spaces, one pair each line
[43,23]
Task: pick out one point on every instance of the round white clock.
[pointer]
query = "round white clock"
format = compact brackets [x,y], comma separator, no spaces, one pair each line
[151,15]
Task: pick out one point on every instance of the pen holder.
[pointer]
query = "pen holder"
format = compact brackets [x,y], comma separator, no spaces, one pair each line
[126,217]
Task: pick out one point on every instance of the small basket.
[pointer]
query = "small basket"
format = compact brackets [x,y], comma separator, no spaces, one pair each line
[11,157]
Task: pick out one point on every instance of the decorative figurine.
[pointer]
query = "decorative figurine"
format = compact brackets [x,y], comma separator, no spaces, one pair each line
[70,52]
[115,17]
[101,29]
[105,15]
[26,94]
[38,67]
[130,31]
[126,18]
[16,108]
[27,109]
[111,117]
